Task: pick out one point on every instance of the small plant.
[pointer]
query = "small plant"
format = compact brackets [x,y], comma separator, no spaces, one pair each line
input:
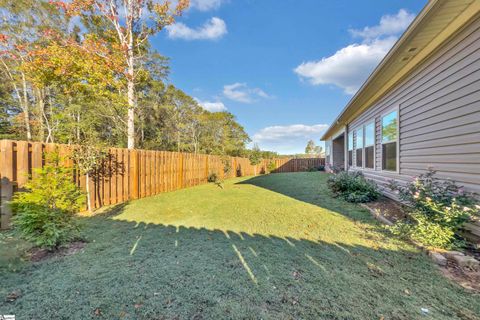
[89,159]
[335,169]
[271,166]
[44,213]
[213,177]
[316,168]
[439,209]
[227,166]
[353,187]
[255,158]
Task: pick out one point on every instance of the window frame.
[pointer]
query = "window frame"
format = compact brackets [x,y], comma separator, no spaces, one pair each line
[371,121]
[355,141]
[348,149]
[397,140]
[328,151]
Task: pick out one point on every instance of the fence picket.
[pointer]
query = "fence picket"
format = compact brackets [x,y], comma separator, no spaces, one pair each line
[127,174]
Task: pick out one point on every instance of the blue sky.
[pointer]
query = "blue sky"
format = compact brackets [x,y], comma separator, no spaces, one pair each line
[284,68]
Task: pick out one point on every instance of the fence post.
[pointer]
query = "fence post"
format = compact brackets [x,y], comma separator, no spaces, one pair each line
[134,172]
[6,185]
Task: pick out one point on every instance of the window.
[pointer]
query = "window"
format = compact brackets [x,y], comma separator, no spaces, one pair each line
[350,149]
[370,145]
[359,147]
[389,141]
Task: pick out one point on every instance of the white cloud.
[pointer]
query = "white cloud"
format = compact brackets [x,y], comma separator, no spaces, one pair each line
[350,66]
[242,93]
[389,25]
[213,29]
[206,5]
[288,139]
[217,106]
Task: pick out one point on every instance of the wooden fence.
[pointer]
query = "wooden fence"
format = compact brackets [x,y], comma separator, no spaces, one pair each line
[128,174]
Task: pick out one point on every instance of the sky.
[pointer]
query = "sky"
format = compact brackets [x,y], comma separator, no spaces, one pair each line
[284,68]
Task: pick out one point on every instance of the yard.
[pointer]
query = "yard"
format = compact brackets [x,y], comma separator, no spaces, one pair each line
[272,247]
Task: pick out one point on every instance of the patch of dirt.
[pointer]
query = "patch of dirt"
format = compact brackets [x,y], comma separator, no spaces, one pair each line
[39,254]
[467,278]
[390,209]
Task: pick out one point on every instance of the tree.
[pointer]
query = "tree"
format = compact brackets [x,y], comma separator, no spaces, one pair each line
[255,157]
[21,26]
[312,149]
[134,21]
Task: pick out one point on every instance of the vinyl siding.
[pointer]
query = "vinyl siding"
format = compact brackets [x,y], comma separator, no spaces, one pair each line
[439,114]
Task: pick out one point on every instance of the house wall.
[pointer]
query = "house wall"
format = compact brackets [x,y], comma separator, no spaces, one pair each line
[439,116]
[338,154]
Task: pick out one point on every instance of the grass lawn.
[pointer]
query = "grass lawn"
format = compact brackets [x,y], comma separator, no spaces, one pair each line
[270,247]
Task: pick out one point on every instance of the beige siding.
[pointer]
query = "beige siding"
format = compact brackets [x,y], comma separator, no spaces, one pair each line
[439,111]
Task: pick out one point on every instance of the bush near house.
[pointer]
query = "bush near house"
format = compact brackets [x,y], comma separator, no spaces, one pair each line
[44,213]
[353,187]
[438,209]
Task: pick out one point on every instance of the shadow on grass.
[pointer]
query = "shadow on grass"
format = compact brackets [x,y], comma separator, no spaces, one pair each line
[134,270]
[301,187]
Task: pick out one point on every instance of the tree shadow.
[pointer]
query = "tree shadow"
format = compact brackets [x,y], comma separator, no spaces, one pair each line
[293,186]
[135,270]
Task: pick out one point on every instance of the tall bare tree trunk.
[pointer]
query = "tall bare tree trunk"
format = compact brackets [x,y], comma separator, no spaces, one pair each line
[26,110]
[131,91]
[78,126]
[40,112]
[87,186]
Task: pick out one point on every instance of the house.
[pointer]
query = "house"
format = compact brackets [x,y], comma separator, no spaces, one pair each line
[420,107]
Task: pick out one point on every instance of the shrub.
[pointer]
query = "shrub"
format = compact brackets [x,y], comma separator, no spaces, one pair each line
[44,214]
[438,209]
[335,169]
[227,166]
[213,177]
[317,168]
[271,166]
[353,187]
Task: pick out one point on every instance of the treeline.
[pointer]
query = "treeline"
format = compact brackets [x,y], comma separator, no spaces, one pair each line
[80,72]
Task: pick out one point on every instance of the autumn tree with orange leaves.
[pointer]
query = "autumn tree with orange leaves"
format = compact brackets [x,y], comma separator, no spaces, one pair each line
[134,21]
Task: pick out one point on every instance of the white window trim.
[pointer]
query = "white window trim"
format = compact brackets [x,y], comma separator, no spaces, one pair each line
[355,140]
[348,166]
[371,121]
[397,109]
[328,146]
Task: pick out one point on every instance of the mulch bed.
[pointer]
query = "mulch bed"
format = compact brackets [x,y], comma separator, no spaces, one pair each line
[390,209]
[38,254]
[467,278]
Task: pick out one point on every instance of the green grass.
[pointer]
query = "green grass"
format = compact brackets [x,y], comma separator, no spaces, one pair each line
[270,247]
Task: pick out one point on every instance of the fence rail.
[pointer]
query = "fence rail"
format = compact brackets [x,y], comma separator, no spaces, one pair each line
[128,174]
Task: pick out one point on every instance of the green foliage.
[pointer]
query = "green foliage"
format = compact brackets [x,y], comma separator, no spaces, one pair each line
[255,155]
[353,187]
[227,166]
[312,148]
[335,269]
[213,178]
[439,208]
[44,214]
[317,168]
[271,166]
[69,68]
